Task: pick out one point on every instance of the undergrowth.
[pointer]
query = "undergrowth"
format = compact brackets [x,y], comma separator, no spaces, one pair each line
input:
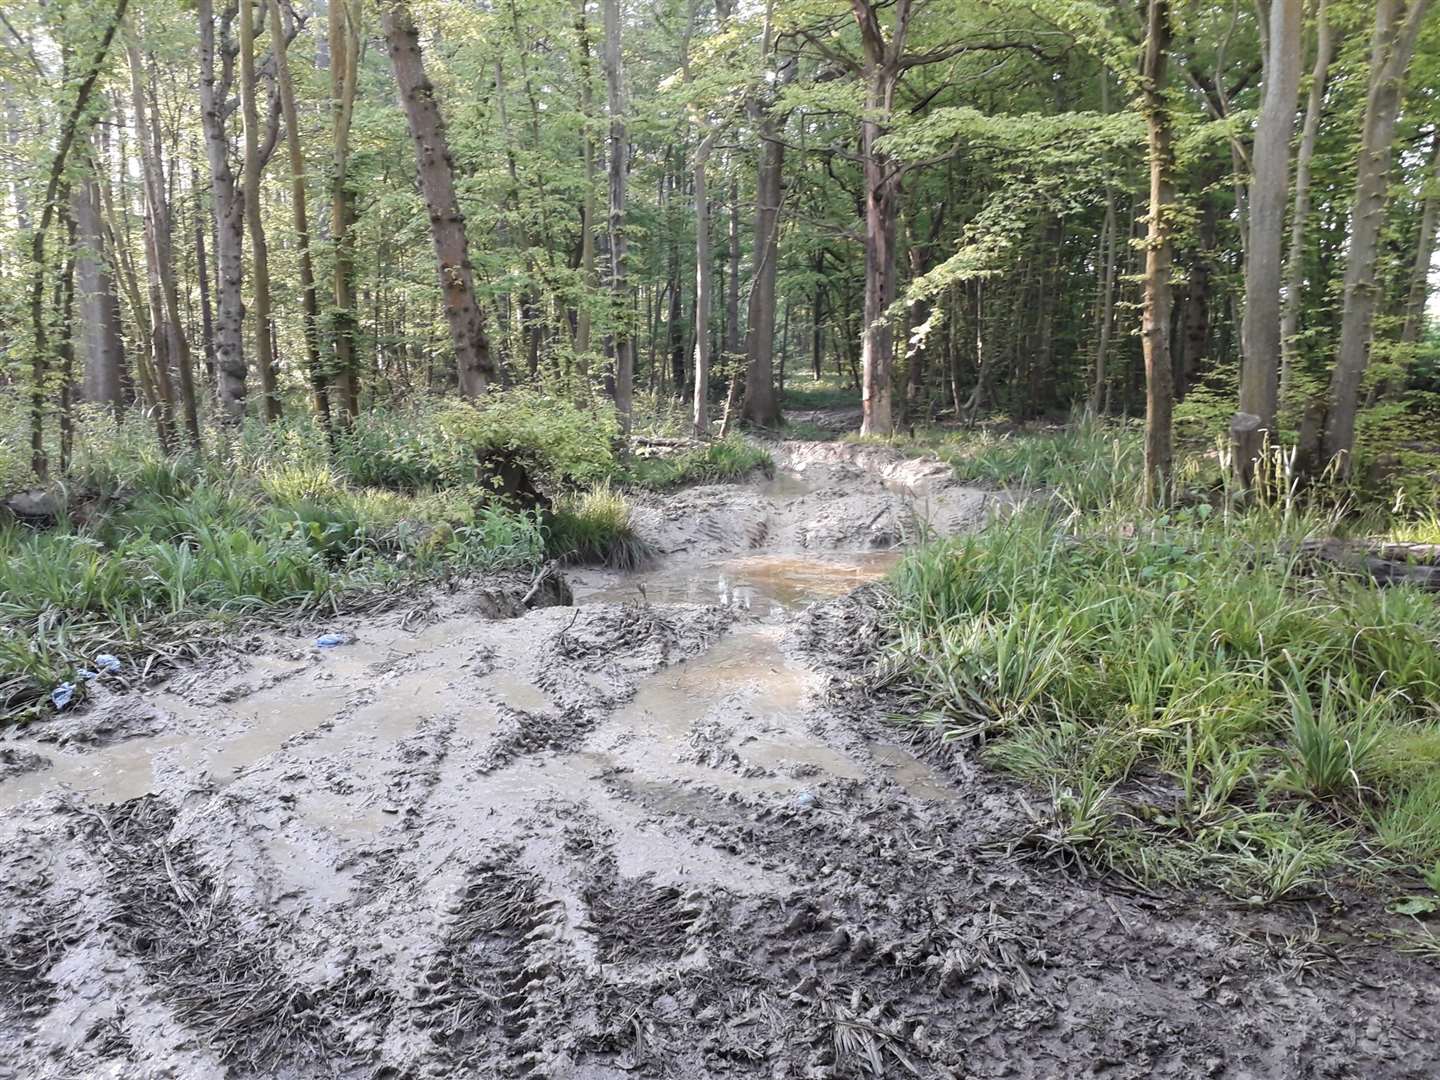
[1200,702]
[594,528]
[730,458]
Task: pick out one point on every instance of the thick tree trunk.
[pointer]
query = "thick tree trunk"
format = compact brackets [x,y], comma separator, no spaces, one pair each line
[102,350]
[1269,190]
[877,348]
[310,302]
[437,184]
[229,210]
[1300,208]
[624,373]
[1155,321]
[1397,25]
[344,48]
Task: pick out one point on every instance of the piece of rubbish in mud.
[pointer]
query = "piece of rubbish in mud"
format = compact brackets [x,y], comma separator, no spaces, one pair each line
[806,800]
[329,641]
[62,695]
[108,663]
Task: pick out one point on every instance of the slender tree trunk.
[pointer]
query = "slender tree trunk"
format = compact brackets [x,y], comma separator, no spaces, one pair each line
[761,406]
[1300,210]
[1155,322]
[437,184]
[1269,188]
[587,206]
[168,323]
[619,175]
[732,281]
[1419,291]
[202,274]
[344,47]
[699,416]
[1397,25]
[259,249]
[229,211]
[310,302]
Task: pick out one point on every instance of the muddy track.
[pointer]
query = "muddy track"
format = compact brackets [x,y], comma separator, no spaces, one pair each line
[665,832]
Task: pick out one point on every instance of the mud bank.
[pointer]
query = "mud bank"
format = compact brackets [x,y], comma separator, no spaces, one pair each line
[664,832]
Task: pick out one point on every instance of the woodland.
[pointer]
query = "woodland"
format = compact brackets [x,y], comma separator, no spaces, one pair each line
[1112,326]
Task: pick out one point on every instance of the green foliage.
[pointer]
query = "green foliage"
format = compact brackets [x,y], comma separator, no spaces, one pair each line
[1194,645]
[730,458]
[594,528]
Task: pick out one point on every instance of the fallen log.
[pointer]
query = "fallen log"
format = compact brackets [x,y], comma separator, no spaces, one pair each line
[1386,564]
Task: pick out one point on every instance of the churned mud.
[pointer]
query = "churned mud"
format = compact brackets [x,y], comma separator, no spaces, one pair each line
[657,827]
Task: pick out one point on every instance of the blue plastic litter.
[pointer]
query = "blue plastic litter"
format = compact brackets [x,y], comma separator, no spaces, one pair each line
[329,641]
[87,674]
[61,695]
[108,663]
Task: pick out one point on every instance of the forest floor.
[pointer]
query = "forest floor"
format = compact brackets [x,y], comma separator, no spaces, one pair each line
[667,831]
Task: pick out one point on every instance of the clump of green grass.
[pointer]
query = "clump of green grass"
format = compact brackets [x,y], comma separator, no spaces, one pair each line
[594,528]
[1293,707]
[730,458]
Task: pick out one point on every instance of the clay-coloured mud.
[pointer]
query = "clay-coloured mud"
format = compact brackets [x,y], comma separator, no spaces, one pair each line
[667,832]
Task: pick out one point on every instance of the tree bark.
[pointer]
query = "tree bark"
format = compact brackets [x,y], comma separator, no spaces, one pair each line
[259,249]
[54,185]
[699,415]
[103,351]
[1300,209]
[1419,291]
[169,323]
[215,109]
[310,302]
[1269,188]
[761,406]
[344,47]
[1155,321]
[437,185]
[1397,25]
[619,174]
[587,206]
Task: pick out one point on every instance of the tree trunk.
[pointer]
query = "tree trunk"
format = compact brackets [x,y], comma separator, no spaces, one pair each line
[259,250]
[202,274]
[1419,291]
[344,47]
[587,206]
[1397,24]
[1269,187]
[619,175]
[168,322]
[310,302]
[69,130]
[103,352]
[699,416]
[229,213]
[732,280]
[761,406]
[1300,209]
[437,184]
[1155,321]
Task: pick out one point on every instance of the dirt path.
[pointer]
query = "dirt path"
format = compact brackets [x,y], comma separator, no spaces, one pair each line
[660,833]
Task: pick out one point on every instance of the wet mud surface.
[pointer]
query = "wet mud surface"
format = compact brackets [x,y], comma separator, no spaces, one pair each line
[664,832]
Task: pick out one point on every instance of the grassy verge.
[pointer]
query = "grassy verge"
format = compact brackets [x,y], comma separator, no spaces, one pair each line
[730,458]
[594,528]
[1199,703]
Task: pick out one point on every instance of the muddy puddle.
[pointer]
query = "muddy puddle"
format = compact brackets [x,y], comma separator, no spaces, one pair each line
[663,832]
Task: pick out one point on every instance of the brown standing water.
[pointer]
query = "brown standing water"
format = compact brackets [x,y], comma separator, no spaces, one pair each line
[667,831]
